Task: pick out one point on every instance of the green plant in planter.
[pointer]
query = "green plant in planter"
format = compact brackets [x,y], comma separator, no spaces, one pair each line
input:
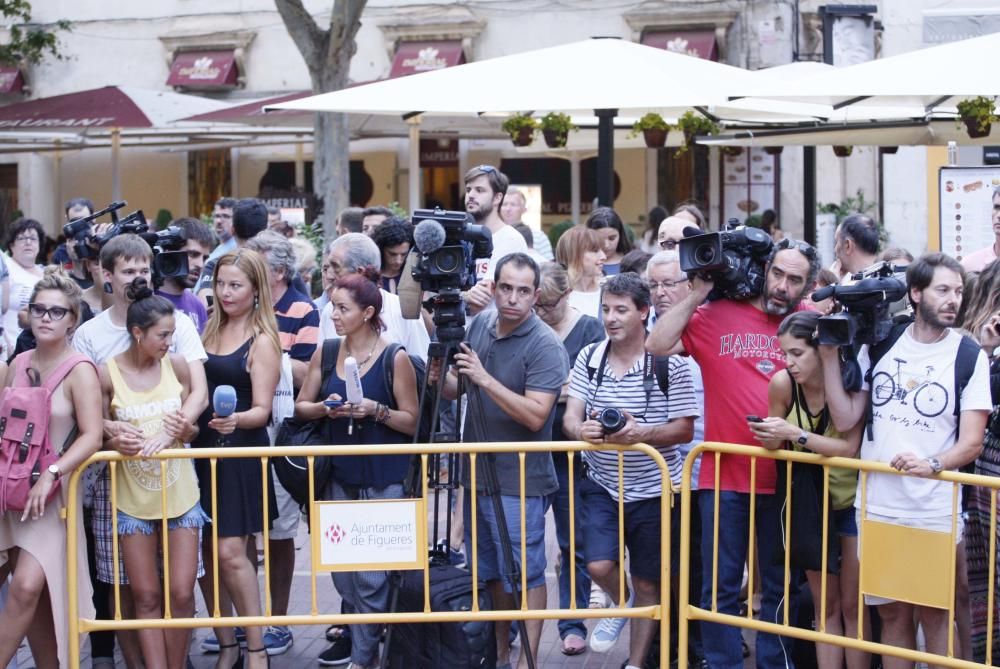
[977,115]
[692,125]
[650,121]
[521,128]
[556,128]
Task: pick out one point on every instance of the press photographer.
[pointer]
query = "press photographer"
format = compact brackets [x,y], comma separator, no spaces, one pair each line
[734,342]
[618,395]
[513,367]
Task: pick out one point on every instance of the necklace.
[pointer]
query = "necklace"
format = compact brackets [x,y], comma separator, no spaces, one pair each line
[370,353]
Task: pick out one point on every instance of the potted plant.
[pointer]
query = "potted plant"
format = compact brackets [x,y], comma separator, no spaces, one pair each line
[653,128]
[843,151]
[732,150]
[521,128]
[692,125]
[977,115]
[555,129]
[773,150]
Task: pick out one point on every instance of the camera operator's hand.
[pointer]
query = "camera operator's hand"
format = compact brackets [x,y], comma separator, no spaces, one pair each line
[591,431]
[632,433]
[701,286]
[479,296]
[470,366]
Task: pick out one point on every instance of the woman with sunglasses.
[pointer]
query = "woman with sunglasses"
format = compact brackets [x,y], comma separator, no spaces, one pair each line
[576,331]
[581,252]
[33,542]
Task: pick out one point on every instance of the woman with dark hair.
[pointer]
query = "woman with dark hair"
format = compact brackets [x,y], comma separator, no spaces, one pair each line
[394,238]
[33,542]
[147,387]
[24,240]
[649,242]
[614,238]
[241,340]
[386,415]
[799,418]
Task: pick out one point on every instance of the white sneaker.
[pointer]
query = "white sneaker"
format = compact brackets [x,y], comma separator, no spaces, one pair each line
[598,598]
[606,634]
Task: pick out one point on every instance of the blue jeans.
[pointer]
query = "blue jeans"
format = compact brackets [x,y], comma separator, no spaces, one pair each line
[560,511]
[723,643]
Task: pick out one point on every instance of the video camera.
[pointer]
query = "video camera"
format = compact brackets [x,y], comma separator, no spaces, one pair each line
[168,260]
[443,262]
[733,258]
[866,317]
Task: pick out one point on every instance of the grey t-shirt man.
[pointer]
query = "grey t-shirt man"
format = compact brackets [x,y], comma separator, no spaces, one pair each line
[529,358]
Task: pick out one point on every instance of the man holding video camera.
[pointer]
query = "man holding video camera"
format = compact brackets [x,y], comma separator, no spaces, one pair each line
[616,396]
[734,343]
[513,367]
[925,402]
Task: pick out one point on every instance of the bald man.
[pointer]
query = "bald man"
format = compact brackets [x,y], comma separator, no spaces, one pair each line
[672,231]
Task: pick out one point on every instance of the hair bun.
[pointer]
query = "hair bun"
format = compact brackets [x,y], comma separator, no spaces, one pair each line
[370,273]
[139,289]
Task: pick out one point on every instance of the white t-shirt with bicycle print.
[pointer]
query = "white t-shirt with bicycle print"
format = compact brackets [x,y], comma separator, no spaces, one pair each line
[912,392]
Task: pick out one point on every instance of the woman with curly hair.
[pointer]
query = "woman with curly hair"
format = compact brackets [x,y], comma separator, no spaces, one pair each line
[394,238]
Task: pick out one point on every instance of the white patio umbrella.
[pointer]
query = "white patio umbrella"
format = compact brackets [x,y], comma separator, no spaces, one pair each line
[935,78]
[602,77]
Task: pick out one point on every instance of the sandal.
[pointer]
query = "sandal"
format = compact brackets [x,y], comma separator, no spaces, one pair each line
[238,664]
[261,650]
[573,644]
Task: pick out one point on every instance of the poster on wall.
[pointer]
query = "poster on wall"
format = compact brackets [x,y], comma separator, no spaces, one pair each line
[966,218]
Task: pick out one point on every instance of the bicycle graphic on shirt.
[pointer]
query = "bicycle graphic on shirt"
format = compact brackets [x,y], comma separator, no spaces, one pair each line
[929,397]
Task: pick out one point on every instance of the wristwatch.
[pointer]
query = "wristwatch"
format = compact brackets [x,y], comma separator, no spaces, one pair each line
[935,465]
[803,438]
[55,471]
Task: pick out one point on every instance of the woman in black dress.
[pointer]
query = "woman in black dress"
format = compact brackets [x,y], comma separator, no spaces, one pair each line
[241,340]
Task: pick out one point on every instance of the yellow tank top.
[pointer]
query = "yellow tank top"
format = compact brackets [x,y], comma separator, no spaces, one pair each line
[843,482]
[138,479]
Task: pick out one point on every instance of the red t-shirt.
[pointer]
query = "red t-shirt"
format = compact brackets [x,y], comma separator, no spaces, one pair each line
[736,346]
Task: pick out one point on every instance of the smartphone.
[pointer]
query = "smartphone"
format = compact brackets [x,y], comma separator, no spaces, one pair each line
[333,404]
[754,419]
[209,299]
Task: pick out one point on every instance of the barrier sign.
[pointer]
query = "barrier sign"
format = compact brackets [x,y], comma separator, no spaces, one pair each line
[365,535]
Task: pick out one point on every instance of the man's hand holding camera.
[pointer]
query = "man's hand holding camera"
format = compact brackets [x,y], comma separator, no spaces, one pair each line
[595,431]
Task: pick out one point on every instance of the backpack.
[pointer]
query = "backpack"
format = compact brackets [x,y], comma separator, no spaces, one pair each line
[425,420]
[965,365]
[25,448]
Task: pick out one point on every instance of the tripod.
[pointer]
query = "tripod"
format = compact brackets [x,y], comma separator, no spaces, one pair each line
[443,352]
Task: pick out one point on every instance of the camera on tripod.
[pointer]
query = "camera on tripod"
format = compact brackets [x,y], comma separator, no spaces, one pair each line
[168,259]
[734,259]
[448,244]
[866,317]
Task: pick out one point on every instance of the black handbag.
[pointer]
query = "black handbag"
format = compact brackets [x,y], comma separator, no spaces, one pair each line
[293,470]
[805,531]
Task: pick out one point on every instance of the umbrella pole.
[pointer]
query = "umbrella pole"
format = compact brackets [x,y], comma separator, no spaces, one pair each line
[414,163]
[116,174]
[605,156]
[574,186]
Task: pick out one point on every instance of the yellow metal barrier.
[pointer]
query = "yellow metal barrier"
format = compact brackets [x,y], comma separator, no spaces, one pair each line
[935,552]
[659,612]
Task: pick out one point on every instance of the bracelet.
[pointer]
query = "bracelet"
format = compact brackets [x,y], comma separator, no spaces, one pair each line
[381,413]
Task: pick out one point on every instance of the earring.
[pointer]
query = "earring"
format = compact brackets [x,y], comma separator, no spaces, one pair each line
[256,302]
[107,288]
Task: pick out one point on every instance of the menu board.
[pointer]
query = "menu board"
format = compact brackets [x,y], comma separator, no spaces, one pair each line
[748,183]
[966,195]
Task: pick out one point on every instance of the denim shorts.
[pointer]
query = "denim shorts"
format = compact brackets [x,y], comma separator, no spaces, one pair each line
[193,517]
[846,522]
[488,548]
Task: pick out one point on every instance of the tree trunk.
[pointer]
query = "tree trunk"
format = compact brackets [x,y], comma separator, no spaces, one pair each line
[327,54]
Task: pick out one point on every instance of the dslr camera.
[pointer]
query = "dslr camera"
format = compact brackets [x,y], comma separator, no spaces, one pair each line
[168,260]
[734,259]
[866,317]
[612,420]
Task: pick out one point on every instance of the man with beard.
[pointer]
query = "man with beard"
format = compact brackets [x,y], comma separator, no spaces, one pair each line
[485,188]
[197,245]
[735,344]
[222,219]
[921,432]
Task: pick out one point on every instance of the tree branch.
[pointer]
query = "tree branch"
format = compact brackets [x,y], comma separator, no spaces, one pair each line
[308,36]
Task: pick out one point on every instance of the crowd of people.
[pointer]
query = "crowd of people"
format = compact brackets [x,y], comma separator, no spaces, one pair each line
[592,337]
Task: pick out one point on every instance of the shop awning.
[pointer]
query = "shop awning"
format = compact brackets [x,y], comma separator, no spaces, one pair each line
[11,80]
[204,69]
[698,43]
[414,57]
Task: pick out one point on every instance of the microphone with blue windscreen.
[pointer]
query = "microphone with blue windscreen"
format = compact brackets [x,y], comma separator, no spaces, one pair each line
[224,405]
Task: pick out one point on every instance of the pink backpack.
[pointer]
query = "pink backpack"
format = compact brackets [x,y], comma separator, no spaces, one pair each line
[25,448]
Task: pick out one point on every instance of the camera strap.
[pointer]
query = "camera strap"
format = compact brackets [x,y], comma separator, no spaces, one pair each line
[648,372]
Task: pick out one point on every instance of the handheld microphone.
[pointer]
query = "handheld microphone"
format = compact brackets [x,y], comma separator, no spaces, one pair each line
[355,394]
[224,401]
[428,236]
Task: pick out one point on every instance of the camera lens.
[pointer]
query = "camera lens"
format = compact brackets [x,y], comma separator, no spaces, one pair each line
[704,254]
[449,260]
[611,420]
